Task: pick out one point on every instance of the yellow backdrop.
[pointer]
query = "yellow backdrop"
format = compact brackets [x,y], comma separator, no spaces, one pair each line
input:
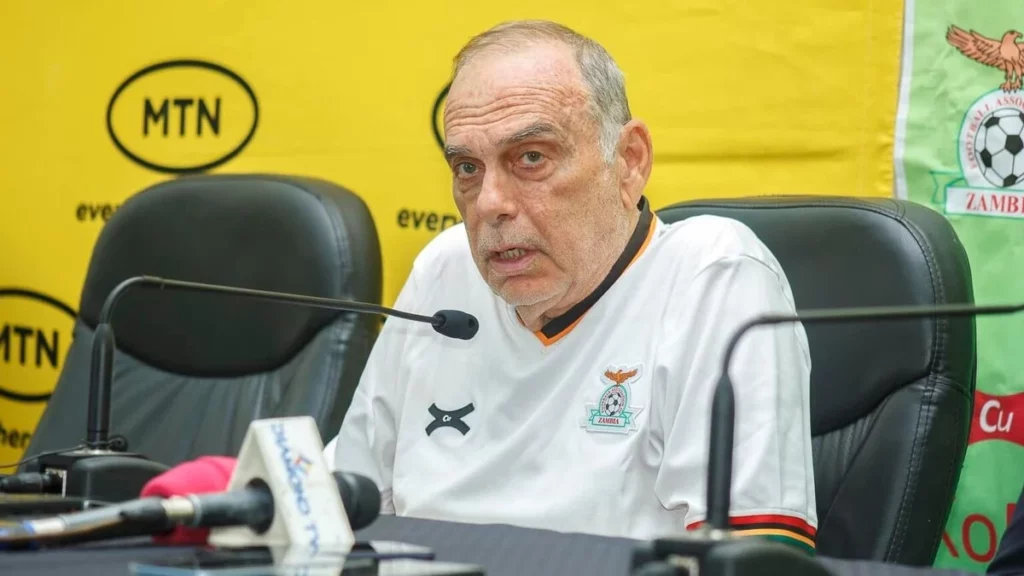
[791,97]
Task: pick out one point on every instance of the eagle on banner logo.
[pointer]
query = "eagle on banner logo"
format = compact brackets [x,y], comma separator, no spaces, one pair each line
[1004,54]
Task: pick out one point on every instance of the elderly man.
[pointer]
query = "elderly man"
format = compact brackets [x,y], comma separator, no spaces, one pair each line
[582,403]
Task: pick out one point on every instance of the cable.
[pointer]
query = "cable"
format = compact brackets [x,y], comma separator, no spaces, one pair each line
[117,443]
[41,455]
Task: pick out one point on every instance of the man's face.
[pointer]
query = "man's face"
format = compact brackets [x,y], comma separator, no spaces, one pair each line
[538,200]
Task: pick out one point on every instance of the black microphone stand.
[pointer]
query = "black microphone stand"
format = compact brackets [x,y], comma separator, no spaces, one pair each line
[713,548]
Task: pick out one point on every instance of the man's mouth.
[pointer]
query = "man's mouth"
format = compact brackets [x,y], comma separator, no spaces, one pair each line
[511,260]
[510,254]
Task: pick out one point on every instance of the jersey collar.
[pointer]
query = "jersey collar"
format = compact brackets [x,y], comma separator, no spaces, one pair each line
[559,326]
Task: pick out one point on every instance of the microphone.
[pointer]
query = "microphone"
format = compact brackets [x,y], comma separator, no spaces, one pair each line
[713,544]
[95,484]
[253,507]
[360,497]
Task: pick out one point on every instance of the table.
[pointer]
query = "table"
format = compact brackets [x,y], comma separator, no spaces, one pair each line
[502,551]
[507,550]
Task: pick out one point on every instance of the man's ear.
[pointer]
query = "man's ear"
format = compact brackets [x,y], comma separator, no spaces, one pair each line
[635,159]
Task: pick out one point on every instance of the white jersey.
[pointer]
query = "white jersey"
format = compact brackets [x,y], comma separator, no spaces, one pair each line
[599,423]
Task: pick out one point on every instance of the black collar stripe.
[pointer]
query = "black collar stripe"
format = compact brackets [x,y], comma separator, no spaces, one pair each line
[556,327]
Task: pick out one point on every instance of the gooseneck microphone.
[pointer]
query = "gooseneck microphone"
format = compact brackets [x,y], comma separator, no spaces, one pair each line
[712,548]
[105,474]
[723,404]
[451,323]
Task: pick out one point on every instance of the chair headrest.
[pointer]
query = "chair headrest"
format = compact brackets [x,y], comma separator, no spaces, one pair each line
[845,252]
[268,232]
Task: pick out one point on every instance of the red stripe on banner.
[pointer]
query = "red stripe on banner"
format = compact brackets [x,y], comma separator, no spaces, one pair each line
[777,519]
[994,418]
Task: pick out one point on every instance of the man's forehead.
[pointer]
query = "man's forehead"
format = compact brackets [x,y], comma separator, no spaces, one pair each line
[540,71]
[499,98]
[495,69]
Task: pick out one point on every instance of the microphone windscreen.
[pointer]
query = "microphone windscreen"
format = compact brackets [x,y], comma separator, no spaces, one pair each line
[456,324]
[204,475]
[360,497]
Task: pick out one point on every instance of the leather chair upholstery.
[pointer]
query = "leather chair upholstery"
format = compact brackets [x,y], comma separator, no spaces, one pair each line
[193,370]
[891,402]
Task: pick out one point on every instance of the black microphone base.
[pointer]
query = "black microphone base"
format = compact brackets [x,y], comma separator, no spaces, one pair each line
[720,553]
[101,475]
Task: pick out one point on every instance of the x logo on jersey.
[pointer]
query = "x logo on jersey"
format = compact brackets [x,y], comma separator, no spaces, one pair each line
[451,419]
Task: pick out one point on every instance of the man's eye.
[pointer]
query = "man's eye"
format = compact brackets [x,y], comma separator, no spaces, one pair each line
[533,157]
[466,168]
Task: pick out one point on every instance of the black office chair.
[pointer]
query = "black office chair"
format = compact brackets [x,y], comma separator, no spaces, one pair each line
[193,370]
[891,402]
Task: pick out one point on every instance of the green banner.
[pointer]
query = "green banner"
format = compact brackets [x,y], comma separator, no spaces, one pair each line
[960,150]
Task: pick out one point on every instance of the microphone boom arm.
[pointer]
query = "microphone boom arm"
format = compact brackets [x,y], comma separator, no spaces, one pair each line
[450,323]
[314,301]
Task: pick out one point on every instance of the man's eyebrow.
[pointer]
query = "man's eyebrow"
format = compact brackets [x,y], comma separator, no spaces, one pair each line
[453,151]
[530,131]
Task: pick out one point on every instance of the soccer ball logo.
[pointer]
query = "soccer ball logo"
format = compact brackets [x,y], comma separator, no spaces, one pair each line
[613,401]
[998,146]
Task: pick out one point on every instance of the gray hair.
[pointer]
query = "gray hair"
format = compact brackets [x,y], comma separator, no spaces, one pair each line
[604,79]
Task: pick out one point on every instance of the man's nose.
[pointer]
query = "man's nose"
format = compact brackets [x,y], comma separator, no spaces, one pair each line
[496,202]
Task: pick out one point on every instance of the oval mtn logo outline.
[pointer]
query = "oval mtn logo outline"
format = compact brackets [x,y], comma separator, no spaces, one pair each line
[436,122]
[45,299]
[173,64]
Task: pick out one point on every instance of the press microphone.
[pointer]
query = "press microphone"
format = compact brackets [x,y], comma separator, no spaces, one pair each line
[360,497]
[712,546]
[133,470]
[253,507]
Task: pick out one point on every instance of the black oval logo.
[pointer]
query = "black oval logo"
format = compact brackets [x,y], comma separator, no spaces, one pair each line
[182,116]
[24,343]
[436,121]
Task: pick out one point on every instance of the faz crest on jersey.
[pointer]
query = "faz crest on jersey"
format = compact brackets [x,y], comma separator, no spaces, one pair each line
[612,413]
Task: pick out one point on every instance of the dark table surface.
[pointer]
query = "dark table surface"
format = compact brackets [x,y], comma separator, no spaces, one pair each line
[501,550]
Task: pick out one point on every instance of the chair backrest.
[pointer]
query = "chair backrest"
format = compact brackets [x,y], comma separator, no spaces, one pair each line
[193,370]
[891,401]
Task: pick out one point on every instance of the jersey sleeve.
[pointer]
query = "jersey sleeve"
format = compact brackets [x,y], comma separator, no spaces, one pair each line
[366,442]
[772,479]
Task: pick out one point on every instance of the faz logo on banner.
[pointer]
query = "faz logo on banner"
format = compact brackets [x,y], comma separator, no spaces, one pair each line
[990,147]
[182,116]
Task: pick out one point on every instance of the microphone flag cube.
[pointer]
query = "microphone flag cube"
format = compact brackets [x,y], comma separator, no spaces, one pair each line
[287,455]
